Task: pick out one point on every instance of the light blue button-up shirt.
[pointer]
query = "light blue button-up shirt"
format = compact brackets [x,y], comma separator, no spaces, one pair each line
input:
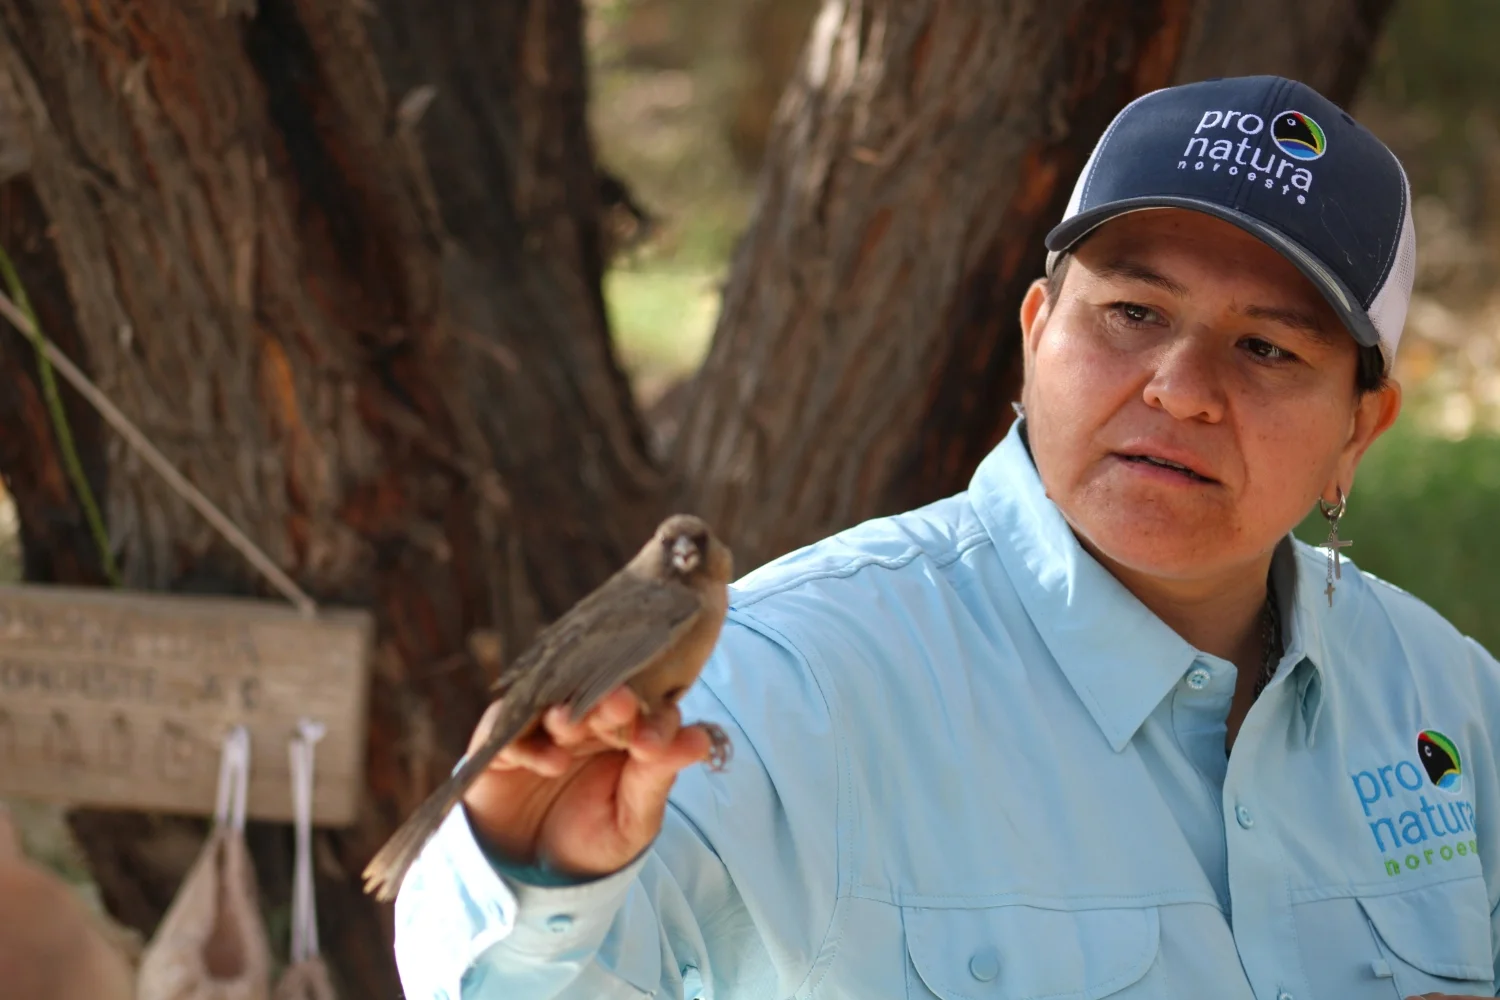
[969,764]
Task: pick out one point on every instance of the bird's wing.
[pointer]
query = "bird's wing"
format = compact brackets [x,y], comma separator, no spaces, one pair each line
[603,641]
[506,677]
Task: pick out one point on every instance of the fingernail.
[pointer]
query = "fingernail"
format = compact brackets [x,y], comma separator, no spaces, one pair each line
[650,730]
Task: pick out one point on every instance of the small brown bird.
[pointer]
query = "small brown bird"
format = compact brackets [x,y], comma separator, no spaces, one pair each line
[651,626]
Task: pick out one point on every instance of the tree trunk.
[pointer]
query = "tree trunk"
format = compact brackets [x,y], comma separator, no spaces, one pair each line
[868,347]
[377,342]
[375,337]
[1327,44]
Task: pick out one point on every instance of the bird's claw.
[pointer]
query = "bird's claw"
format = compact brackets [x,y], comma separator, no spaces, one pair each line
[720,748]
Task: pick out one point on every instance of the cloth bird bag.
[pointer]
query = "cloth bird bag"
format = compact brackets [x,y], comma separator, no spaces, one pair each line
[211,945]
[306,977]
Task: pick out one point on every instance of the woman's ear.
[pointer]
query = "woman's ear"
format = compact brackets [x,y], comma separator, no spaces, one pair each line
[1035,308]
[1373,416]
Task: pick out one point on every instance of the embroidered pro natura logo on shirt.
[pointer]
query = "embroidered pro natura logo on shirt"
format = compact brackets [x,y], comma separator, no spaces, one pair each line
[1440,759]
[1411,830]
[1234,142]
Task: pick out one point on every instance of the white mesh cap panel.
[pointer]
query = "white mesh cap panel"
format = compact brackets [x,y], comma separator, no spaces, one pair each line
[1388,309]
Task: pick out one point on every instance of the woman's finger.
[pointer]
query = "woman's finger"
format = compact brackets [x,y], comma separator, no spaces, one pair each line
[614,712]
[655,732]
[647,777]
[668,743]
[614,719]
[534,753]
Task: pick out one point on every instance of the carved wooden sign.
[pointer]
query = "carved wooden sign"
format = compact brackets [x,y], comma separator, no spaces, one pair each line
[122,700]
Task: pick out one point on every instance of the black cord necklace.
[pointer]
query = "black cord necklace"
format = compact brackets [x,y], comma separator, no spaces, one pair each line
[1270,641]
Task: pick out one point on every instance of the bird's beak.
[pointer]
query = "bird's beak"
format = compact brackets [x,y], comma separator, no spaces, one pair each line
[684,555]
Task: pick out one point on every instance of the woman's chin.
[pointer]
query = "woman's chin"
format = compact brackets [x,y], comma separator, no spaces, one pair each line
[1164,548]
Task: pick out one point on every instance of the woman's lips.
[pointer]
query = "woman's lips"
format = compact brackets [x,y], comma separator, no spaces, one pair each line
[1159,466]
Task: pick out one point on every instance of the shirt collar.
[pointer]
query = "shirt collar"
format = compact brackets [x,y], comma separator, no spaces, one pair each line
[1118,656]
[1304,614]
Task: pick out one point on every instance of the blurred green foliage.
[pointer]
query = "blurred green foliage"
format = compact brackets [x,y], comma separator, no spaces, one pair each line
[1439,54]
[1432,93]
[662,320]
[1423,517]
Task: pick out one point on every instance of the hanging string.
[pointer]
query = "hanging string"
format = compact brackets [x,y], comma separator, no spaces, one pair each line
[154,458]
[304,905]
[234,780]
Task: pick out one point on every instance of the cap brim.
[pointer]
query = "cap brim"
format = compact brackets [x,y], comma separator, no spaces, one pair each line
[1068,234]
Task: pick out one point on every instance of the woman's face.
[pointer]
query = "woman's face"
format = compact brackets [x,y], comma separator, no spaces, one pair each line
[1190,395]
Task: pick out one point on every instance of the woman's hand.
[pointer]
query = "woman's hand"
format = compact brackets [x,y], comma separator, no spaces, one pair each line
[586,797]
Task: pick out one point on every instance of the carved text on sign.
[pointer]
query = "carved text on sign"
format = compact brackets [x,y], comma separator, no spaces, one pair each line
[123,700]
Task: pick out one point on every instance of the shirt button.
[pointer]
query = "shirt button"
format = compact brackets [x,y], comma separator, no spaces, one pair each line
[1198,679]
[1283,995]
[1242,815]
[985,965]
[559,922]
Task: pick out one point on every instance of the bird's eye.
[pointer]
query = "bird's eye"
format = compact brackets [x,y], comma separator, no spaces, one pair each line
[670,697]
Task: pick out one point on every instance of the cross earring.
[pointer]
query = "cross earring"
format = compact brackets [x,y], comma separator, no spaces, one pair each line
[1332,512]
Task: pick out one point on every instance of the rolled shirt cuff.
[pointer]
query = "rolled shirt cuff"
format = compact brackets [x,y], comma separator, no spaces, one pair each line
[459,901]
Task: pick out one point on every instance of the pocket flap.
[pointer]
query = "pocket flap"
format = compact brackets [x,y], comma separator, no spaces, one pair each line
[1442,929]
[1031,953]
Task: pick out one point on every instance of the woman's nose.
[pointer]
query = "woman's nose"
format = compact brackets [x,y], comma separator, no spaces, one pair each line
[1186,381]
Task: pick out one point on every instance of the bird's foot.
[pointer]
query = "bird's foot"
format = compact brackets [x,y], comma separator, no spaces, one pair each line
[721,749]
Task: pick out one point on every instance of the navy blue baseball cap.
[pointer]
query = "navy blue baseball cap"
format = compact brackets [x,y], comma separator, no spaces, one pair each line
[1277,159]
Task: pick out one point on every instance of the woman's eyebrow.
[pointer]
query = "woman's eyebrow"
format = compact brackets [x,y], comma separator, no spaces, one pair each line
[1131,270]
[1296,319]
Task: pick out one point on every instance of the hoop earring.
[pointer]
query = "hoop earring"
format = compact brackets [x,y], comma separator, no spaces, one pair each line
[1332,512]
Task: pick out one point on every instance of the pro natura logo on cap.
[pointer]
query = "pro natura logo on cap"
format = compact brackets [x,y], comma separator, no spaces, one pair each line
[1306,179]
[1297,135]
[1235,142]
[1440,760]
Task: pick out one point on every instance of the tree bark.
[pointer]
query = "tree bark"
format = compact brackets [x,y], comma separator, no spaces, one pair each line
[375,338]
[868,347]
[1327,44]
[915,165]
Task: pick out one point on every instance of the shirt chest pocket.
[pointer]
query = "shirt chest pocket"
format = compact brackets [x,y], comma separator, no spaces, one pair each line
[1436,938]
[1027,953]
[1431,939]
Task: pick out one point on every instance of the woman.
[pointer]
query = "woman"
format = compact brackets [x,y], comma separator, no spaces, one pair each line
[1095,728]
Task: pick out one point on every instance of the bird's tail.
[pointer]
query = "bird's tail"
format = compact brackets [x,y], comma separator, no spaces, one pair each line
[385,872]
